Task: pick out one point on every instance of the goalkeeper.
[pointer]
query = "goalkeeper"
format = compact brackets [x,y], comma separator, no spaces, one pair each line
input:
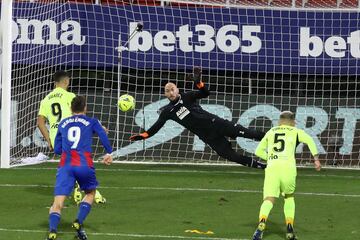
[278,148]
[53,108]
[211,129]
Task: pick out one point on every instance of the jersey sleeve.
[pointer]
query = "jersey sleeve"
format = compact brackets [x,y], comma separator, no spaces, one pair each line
[202,92]
[261,149]
[58,143]
[308,140]
[69,97]
[43,111]
[158,124]
[102,135]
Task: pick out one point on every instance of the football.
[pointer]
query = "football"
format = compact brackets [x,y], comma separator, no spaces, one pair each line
[126,103]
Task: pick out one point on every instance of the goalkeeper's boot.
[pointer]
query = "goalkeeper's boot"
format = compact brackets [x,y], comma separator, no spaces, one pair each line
[77,194]
[290,235]
[99,198]
[51,236]
[258,234]
[80,232]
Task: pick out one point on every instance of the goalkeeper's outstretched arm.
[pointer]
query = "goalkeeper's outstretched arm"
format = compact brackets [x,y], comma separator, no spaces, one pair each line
[152,130]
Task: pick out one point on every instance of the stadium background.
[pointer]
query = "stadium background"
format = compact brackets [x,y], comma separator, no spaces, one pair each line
[275,75]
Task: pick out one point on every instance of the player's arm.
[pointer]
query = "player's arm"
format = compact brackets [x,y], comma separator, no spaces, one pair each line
[58,143]
[152,130]
[41,123]
[98,128]
[261,149]
[100,131]
[309,141]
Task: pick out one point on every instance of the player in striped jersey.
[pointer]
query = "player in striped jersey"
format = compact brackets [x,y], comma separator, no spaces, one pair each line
[73,142]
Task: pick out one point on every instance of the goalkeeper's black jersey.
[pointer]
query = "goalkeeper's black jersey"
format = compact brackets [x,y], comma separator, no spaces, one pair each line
[187,112]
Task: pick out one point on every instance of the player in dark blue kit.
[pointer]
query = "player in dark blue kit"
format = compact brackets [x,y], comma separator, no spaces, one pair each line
[184,109]
[73,143]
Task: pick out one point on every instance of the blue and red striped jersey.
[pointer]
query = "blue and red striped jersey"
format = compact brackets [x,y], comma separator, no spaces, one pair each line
[74,138]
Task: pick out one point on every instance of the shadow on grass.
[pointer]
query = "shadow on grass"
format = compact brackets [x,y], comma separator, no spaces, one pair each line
[40,191]
[275,229]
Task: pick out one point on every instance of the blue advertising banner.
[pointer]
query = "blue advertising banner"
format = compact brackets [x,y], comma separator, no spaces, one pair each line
[237,39]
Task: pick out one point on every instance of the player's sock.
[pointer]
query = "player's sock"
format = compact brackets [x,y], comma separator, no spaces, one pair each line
[257,164]
[248,161]
[84,209]
[265,210]
[54,219]
[289,210]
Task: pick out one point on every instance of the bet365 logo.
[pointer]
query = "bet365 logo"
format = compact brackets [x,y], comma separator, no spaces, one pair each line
[204,39]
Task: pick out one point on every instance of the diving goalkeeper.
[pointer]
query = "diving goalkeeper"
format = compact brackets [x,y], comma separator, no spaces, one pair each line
[211,129]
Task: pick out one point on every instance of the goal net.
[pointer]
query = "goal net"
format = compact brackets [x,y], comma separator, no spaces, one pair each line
[257,62]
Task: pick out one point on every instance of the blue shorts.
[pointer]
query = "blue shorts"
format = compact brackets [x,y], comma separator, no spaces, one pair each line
[67,175]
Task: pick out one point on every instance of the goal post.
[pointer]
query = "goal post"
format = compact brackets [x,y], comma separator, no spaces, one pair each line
[6,52]
[257,62]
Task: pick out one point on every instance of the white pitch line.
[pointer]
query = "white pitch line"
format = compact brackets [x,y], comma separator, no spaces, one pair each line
[190,189]
[240,191]
[124,235]
[256,172]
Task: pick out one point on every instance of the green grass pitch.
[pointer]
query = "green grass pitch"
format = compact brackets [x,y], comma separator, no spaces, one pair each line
[162,202]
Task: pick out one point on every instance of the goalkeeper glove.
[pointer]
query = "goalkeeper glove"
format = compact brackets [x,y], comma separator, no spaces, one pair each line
[196,77]
[140,136]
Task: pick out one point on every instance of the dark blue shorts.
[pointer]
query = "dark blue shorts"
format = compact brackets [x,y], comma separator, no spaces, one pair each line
[67,175]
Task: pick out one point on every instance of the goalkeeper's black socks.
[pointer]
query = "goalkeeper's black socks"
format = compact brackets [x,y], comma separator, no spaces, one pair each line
[257,164]
[243,160]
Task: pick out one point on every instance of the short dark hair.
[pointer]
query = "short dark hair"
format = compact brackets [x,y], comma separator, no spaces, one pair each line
[288,115]
[60,75]
[78,104]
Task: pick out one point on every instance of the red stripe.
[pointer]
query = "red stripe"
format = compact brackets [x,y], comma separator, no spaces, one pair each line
[88,158]
[75,158]
[62,159]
